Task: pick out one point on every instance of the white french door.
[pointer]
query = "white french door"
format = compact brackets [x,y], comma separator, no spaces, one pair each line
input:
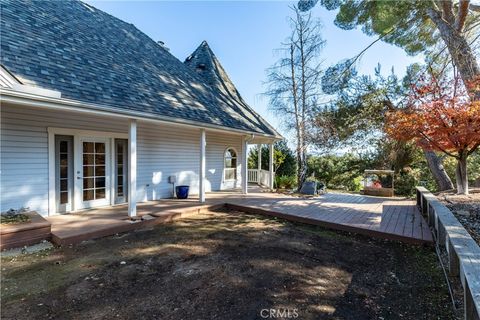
[93,173]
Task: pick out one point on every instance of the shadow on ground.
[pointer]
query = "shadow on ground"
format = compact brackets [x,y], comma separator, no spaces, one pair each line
[227,265]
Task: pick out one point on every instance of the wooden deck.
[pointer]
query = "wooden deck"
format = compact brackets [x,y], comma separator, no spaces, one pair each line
[388,218]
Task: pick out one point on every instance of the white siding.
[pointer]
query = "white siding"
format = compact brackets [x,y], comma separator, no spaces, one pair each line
[24,151]
[163,150]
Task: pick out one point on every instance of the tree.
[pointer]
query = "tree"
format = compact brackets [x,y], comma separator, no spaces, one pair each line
[441,116]
[293,88]
[284,162]
[356,117]
[414,25]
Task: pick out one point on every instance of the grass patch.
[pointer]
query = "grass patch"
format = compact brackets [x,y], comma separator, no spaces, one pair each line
[7,219]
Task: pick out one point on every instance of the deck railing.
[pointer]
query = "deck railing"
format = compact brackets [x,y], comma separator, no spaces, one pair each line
[261,177]
[462,251]
[253,175]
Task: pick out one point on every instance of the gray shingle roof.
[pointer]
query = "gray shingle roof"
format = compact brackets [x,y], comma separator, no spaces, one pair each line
[204,63]
[91,56]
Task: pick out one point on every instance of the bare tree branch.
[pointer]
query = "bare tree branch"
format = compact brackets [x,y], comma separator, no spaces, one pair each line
[462,15]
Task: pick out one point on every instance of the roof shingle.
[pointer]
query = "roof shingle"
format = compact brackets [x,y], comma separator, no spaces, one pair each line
[91,56]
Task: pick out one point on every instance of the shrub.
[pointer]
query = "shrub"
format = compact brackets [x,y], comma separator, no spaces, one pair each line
[405,182]
[286,182]
[347,181]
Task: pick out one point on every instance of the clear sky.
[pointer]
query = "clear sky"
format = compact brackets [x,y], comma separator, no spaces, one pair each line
[243,35]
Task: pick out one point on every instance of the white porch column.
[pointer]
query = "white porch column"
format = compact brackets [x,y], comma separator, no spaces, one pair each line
[259,167]
[270,166]
[132,168]
[244,166]
[201,185]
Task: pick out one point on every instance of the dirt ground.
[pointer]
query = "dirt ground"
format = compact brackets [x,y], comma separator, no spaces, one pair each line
[466,208]
[227,265]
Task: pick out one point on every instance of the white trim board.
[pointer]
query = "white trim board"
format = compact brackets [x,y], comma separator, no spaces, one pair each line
[87,133]
[26,99]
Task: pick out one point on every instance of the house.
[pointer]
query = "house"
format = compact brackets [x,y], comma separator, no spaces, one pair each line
[95,113]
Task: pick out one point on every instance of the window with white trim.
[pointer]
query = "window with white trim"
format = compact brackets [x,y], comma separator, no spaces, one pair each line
[230,164]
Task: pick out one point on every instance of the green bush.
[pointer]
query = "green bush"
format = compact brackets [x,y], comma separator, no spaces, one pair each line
[405,182]
[356,184]
[349,181]
[286,182]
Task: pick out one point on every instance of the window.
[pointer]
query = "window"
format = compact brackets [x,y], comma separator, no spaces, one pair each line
[230,164]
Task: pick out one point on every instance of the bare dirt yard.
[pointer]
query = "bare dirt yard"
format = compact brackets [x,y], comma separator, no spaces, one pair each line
[466,208]
[227,265]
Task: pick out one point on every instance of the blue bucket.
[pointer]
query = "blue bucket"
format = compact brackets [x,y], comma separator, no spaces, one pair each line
[182,192]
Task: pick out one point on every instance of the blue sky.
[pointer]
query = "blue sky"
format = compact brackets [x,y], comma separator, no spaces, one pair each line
[243,35]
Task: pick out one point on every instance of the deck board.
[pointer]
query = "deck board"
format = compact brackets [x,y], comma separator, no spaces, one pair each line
[388,218]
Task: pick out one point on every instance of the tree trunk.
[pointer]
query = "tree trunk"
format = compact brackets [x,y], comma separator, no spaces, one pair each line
[435,164]
[461,175]
[297,115]
[303,91]
[458,47]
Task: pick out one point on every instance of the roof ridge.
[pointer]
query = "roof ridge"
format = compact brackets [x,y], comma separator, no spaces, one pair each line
[204,63]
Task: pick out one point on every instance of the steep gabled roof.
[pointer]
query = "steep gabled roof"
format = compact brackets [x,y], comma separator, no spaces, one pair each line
[93,57]
[204,63]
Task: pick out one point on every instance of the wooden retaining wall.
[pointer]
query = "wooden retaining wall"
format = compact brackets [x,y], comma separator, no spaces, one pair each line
[463,251]
[27,233]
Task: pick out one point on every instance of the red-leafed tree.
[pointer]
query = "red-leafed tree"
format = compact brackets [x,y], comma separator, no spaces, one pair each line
[441,116]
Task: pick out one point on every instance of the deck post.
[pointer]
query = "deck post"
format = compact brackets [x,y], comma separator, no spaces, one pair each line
[201,186]
[270,166]
[244,166]
[132,168]
[259,167]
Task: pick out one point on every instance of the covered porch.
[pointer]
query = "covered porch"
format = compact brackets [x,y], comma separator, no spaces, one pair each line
[231,166]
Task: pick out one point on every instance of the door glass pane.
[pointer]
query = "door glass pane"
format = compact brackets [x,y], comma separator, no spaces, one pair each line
[100,193]
[88,183]
[63,159]
[63,146]
[63,197]
[100,182]
[88,147]
[93,170]
[88,195]
[63,184]
[100,170]
[88,159]
[99,147]
[88,171]
[120,191]
[99,159]
[63,172]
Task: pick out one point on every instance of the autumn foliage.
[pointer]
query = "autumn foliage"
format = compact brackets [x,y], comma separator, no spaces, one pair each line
[441,117]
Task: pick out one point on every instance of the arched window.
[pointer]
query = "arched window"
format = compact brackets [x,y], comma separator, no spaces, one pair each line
[230,164]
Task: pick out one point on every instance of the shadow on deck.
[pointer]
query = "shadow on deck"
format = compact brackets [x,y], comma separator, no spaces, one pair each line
[387,218]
